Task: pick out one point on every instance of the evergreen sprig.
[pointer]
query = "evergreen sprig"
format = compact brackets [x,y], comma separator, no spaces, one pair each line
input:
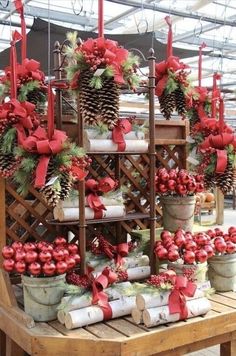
[27,88]
[8,141]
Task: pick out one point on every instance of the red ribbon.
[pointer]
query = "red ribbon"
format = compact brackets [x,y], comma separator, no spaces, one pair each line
[40,143]
[170,36]
[13,64]
[116,252]
[106,278]
[203,45]
[219,142]
[20,9]
[123,127]
[215,94]
[104,185]
[177,300]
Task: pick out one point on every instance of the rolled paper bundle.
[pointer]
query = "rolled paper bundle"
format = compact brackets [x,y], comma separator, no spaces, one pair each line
[109,146]
[94,314]
[133,274]
[137,273]
[137,316]
[85,300]
[152,300]
[70,214]
[127,262]
[132,135]
[74,203]
[161,315]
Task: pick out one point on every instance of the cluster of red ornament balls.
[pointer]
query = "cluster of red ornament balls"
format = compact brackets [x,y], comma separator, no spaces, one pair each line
[193,248]
[179,182]
[41,258]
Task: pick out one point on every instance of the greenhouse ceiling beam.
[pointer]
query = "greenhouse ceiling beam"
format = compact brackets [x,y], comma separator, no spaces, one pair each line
[55,15]
[190,15]
[11,9]
[13,24]
[123,15]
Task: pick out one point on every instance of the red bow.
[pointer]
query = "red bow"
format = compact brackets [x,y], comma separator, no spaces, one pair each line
[106,278]
[219,142]
[116,252]
[39,143]
[123,127]
[177,300]
[104,185]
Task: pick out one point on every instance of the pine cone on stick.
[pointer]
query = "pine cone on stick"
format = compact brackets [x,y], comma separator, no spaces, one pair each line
[51,194]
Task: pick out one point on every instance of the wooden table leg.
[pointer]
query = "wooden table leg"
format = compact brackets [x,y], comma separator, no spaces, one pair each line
[2,343]
[12,349]
[228,348]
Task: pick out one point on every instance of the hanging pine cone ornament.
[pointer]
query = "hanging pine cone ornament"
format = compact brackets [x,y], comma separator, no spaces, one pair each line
[167,104]
[96,69]
[234,177]
[31,85]
[209,181]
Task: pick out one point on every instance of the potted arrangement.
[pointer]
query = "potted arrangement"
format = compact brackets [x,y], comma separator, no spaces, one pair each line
[186,253]
[222,266]
[177,189]
[43,267]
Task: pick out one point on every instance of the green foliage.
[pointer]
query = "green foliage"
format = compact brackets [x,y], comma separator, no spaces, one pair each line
[7,144]
[101,128]
[130,62]
[26,88]
[96,82]
[231,155]
[28,164]
[211,167]
[171,85]
[108,72]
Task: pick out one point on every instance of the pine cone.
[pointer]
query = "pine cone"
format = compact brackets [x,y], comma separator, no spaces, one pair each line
[167,104]
[234,177]
[37,97]
[225,180]
[8,164]
[109,102]
[66,181]
[209,181]
[51,194]
[89,101]
[180,102]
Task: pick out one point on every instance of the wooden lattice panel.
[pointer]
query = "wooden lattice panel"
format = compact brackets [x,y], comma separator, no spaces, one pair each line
[26,219]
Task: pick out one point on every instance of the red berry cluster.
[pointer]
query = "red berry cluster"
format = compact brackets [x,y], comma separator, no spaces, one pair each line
[81,162]
[191,248]
[41,258]
[159,280]
[224,243]
[77,280]
[96,57]
[182,77]
[178,182]
[122,275]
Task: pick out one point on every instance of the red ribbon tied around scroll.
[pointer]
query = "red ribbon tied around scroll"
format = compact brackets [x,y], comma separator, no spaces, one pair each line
[123,127]
[104,185]
[99,297]
[177,301]
[116,252]
[219,142]
[39,143]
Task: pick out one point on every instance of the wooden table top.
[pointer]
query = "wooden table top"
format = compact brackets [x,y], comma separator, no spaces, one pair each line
[123,337]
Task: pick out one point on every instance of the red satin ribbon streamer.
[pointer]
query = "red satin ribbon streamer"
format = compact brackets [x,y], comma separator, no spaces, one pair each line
[177,300]
[13,63]
[203,45]
[20,9]
[100,19]
[170,37]
[221,115]
[215,94]
[116,252]
[124,126]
